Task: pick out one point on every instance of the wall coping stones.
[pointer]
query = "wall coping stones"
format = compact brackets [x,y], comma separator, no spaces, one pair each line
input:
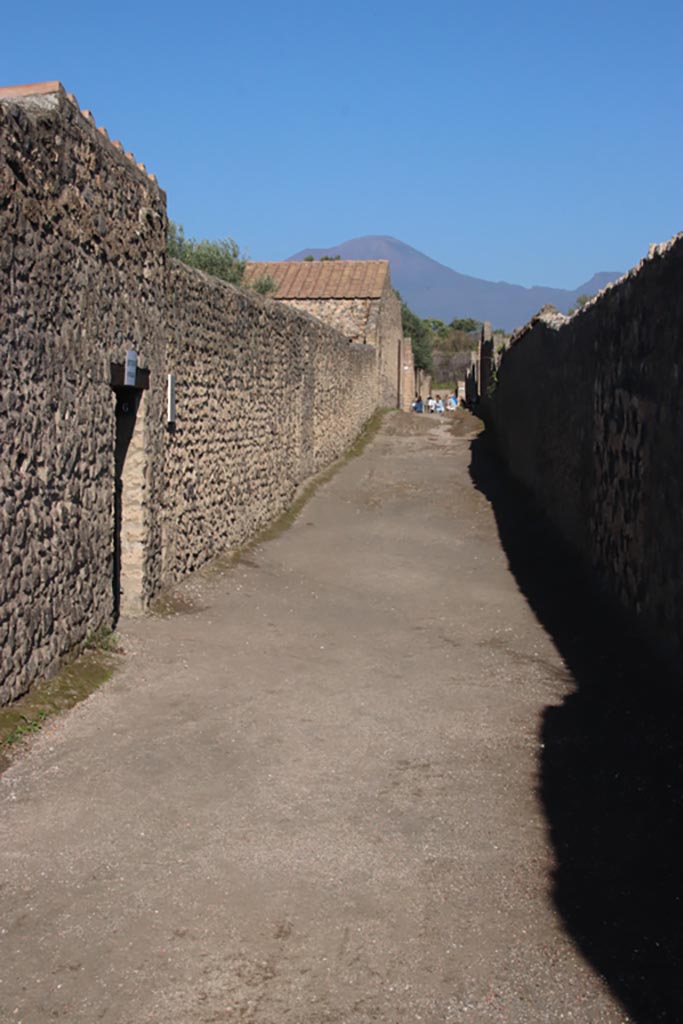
[555,320]
[8,92]
[34,94]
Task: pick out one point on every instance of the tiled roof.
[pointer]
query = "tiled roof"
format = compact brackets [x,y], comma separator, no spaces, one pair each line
[325,279]
[8,92]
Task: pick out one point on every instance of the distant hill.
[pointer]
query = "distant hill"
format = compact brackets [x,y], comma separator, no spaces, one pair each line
[433,290]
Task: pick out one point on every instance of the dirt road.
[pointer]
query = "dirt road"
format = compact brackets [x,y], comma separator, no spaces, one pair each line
[312,795]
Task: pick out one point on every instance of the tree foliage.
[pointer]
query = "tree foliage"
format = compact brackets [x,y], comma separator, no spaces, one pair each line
[450,347]
[323,259]
[420,337]
[466,324]
[221,258]
[264,284]
[452,350]
[581,301]
[439,348]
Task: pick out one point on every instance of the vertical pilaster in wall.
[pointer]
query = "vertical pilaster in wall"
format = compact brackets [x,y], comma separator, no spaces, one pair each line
[133,526]
[485,364]
[407,375]
[308,416]
[389,332]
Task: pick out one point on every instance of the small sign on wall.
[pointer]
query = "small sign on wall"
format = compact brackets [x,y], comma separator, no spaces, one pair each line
[170,415]
[118,377]
[131,369]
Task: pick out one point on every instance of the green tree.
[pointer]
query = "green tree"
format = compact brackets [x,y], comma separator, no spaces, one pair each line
[420,336]
[452,345]
[264,284]
[581,301]
[466,324]
[438,329]
[221,258]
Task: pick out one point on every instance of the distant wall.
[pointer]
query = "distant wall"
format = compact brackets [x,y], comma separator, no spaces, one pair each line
[265,396]
[408,377]
[349,316]
[369,321]
[389,328]
[588,412]
[486,367]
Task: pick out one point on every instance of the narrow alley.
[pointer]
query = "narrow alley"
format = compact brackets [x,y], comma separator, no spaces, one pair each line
[312,792]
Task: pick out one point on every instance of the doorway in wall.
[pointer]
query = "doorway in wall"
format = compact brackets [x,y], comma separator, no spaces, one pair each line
[129,467]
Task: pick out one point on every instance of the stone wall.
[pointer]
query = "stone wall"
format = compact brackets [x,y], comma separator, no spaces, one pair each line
[487,368]
[349,316]
[265,397]
[409,383]
[369,321]
[82,238]
[588,412]
[99,499]
[386,320]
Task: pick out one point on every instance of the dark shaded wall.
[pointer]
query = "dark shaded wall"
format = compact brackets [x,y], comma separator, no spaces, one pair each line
[588,413]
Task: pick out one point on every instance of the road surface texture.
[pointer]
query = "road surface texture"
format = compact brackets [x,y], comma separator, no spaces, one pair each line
[318,792]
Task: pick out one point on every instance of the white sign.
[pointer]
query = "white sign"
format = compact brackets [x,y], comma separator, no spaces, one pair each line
[170,415]
[131,369]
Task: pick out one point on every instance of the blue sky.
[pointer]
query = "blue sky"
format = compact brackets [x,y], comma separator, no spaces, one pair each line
[530,142]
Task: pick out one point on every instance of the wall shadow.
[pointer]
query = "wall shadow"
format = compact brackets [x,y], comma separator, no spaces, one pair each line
[611,769]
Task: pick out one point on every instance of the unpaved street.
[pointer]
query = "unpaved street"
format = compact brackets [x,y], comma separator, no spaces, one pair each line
[311,794]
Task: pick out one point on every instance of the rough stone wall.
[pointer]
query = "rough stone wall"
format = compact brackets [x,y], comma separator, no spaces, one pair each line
[369,321]
[344,396]
[487,366]
[82,237]
[588,412]
[265,395]
[408,378]
[349,316]
[385,319]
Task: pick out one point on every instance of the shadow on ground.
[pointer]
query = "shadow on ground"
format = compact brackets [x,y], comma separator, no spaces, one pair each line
[611,772]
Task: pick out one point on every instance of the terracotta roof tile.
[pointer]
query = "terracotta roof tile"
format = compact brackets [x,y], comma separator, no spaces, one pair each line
[30,89]
[325,279]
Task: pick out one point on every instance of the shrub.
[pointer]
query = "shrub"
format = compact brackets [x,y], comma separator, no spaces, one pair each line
[221,258]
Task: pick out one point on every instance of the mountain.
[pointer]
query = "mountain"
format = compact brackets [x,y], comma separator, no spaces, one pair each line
[433,290]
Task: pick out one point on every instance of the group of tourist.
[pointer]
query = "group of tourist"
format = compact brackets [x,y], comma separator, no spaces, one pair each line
[435,404]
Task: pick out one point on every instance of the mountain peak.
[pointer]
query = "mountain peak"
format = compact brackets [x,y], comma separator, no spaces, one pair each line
[434,290]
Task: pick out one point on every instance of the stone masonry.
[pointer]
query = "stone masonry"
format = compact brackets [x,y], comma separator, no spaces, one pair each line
[82,251]
[253,419]
[264,395]
[588,413]
[353,296]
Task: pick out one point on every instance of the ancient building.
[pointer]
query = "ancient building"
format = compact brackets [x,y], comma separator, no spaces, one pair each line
[355,297]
